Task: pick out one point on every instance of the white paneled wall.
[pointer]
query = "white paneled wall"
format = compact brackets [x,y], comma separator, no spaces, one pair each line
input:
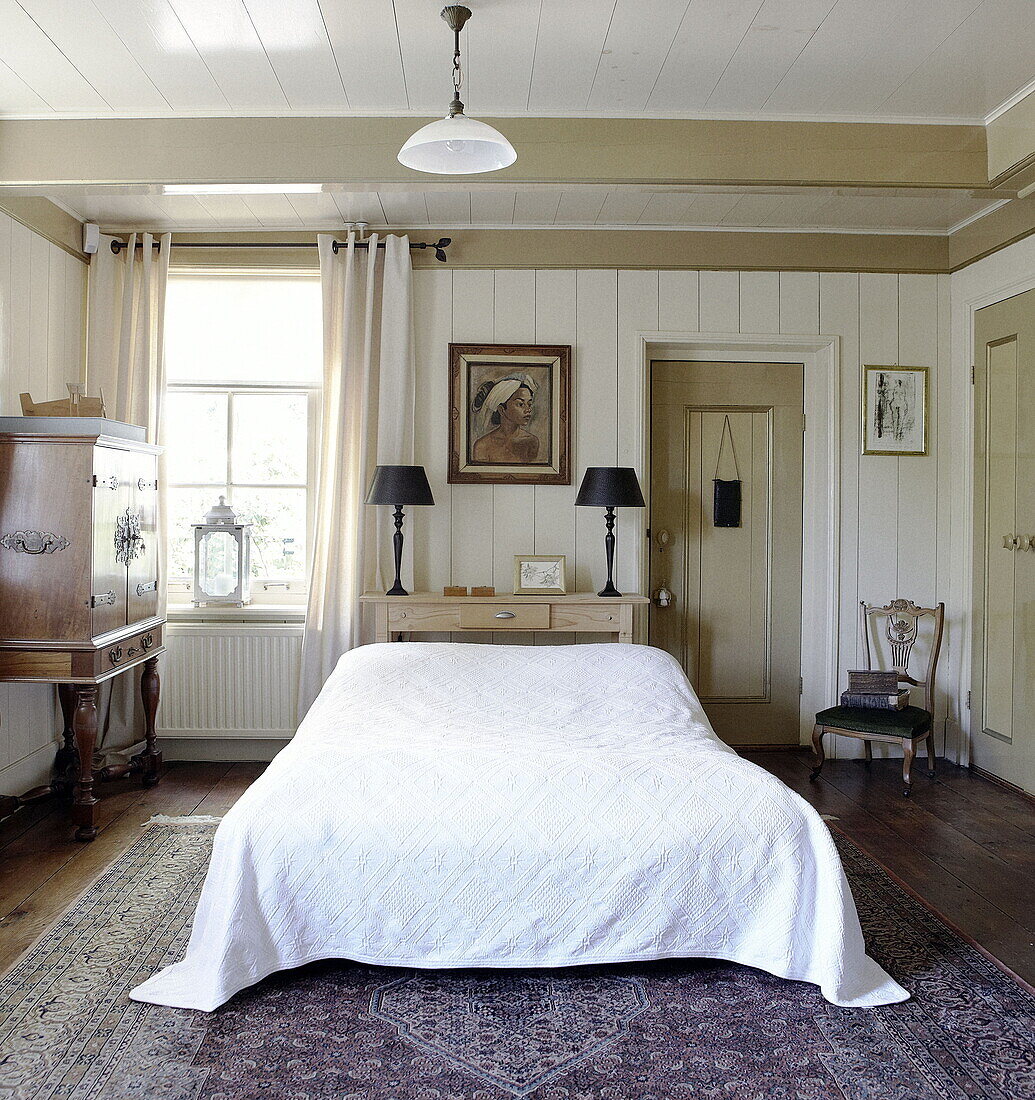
[41,296]
[895,511]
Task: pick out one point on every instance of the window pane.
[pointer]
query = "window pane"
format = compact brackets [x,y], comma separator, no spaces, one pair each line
[195,428]
[226,328]
[278,534]
[187,506]
[270,438]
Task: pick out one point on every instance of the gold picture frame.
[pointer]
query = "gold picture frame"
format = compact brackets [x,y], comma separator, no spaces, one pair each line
[895,410]
[540,575]
[510,414]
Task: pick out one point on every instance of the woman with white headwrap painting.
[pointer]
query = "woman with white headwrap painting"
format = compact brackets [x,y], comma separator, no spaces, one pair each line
[503,411]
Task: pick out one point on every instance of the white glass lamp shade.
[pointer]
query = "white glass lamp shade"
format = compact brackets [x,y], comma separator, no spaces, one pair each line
[457,146]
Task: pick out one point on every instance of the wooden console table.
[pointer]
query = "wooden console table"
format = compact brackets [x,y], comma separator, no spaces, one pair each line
[426,612]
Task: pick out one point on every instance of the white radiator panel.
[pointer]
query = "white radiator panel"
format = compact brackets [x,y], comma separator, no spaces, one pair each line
[230,680]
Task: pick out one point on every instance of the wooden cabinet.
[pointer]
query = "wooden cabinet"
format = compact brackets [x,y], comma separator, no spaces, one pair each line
[79,584]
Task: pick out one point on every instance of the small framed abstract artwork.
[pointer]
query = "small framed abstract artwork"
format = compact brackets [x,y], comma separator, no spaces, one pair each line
[894,410]
[510,414]
[540,575]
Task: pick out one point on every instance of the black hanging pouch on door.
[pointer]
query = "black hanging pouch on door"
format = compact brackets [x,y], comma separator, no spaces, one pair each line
[726,501]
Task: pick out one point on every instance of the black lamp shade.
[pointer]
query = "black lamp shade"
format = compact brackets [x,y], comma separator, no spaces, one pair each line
[400,485]
[610,487]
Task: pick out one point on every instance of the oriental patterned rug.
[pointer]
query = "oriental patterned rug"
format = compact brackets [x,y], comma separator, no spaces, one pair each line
[341,1031]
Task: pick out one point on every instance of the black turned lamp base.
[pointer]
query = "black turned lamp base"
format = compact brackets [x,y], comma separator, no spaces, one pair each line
[397,590]
[609,590]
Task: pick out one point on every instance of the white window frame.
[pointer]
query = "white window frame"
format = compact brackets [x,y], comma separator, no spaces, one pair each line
[265,590]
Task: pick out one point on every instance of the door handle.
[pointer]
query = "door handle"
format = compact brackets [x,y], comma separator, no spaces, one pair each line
[505,615]
[1011,542]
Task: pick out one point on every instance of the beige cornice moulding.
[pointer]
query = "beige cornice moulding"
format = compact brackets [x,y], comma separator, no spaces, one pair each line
[48,220]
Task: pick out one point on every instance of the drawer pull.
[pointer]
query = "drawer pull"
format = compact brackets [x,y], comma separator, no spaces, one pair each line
[505,615]
[147,641]
[115,654]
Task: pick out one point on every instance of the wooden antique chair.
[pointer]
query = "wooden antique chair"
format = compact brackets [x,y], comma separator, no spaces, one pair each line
[907,727]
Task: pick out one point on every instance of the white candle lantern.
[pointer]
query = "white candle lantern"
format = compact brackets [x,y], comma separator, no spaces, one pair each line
[222,559]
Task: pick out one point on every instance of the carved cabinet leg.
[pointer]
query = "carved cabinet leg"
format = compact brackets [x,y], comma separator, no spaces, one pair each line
[150,687]
[66,762]
[84,729]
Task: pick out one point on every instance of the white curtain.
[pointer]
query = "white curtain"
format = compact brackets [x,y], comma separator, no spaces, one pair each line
[125,362]
[368,415]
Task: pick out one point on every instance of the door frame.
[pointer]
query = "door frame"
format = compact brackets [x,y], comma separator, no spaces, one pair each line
[821,482]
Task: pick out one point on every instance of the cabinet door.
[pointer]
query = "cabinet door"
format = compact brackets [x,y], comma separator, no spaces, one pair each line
[142,598]
[110,505]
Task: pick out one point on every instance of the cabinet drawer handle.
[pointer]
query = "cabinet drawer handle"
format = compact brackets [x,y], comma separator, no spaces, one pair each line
[147,641]
[505,615]
[115,654]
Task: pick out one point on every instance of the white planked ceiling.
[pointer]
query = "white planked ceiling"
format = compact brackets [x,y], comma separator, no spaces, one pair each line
[928,210]
[882,59]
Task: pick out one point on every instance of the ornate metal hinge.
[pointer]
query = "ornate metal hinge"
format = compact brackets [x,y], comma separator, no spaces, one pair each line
[128,543]
[151,586]
[101,598]
[143,483]
[33,542]
[111,482]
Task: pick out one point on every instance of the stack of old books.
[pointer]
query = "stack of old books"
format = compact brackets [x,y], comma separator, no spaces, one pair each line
[878,690]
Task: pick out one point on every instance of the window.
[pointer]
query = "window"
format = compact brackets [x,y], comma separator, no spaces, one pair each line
[243,365]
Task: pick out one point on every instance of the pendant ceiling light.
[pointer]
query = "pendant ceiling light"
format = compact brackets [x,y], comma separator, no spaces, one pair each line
[456,144]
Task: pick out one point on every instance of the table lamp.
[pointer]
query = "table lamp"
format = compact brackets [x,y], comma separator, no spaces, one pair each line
[399,485]
[610,487]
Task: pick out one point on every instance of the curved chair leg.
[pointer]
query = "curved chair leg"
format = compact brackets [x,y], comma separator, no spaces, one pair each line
[930,754]
[908,752]
[817,748]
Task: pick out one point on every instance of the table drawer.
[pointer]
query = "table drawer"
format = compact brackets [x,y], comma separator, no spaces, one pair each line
[132,649]
[505,616]
[585,617]
[417,616]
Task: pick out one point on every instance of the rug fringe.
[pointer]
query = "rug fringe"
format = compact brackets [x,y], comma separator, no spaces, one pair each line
[190,819]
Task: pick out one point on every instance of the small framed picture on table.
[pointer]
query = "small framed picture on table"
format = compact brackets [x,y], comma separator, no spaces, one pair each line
[540,575]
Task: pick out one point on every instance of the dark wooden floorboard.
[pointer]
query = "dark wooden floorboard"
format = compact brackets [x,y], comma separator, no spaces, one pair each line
[964,845]
[981,892]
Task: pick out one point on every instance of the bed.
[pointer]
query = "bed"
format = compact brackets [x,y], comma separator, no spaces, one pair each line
[450,805]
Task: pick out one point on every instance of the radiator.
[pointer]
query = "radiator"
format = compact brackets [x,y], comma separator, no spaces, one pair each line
[230,680]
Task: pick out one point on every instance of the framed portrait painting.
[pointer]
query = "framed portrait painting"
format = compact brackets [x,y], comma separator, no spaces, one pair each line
[894,410]
[510,414]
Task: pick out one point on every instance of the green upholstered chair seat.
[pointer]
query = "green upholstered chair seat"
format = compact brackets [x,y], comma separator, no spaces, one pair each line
[907,722]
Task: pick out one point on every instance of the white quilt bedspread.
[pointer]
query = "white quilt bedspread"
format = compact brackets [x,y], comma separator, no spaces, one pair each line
[448,805]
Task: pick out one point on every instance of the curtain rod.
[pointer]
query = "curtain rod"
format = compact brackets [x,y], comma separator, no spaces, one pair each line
[439,246]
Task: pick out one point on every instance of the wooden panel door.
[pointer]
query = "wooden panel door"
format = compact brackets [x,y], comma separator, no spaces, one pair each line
[1003,673]
[735,620]
[111,499]
[142,592]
